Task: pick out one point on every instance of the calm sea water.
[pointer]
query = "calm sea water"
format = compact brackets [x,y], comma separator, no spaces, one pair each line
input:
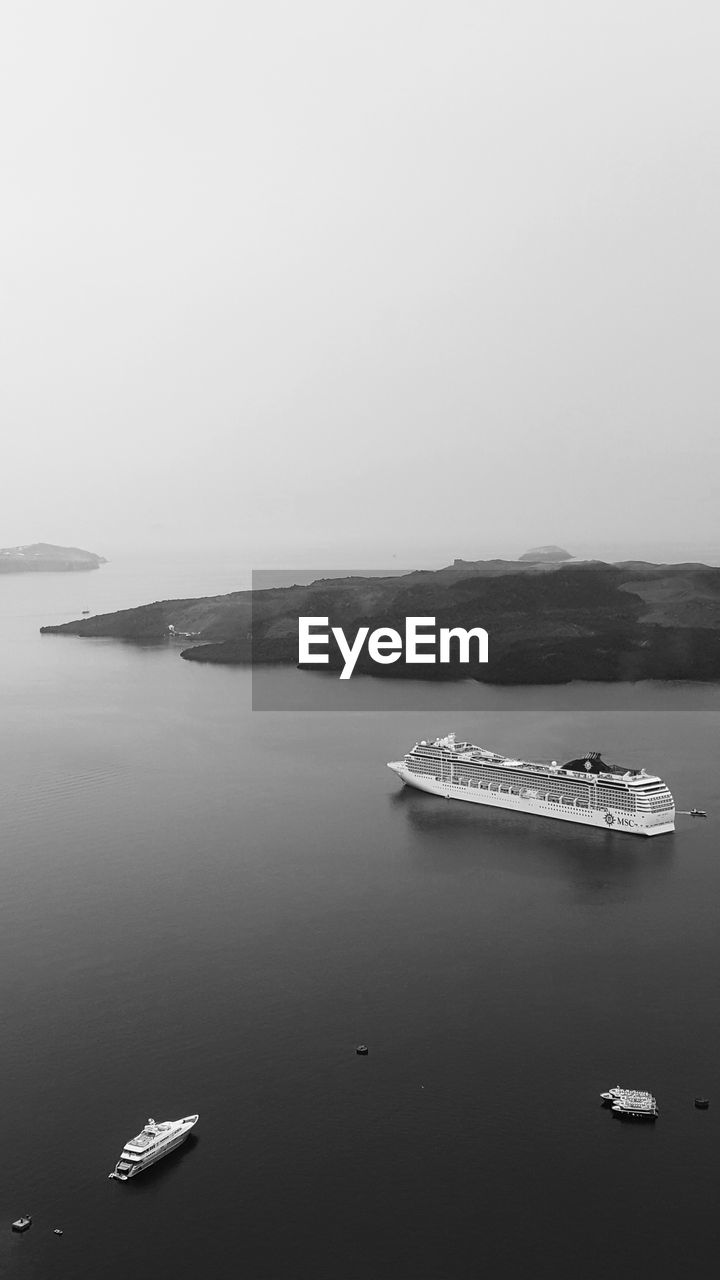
[206,909]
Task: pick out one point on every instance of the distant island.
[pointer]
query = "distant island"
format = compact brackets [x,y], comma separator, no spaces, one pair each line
[548,622]
[546,555]
[44,557]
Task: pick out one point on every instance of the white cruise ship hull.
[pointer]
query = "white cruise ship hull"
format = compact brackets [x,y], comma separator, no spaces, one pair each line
[610,819]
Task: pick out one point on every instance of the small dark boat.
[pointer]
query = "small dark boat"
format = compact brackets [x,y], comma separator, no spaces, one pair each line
[702,1104]
[22,1224]
[698,813]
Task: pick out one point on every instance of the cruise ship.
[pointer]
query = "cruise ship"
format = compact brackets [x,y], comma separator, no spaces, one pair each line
[585,790]
[155,1141]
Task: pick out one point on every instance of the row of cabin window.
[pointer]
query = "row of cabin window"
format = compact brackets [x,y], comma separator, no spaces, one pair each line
[557,796]
[556,793]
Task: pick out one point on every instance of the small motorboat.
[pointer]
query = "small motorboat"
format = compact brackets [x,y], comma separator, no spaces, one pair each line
[698,813]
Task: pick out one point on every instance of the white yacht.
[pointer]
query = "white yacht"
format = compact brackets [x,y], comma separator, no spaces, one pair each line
[617,1093]
[636,1103]
[155,1141]
[637,1108]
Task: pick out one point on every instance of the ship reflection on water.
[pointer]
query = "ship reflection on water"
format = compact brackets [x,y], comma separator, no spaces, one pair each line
[448,835]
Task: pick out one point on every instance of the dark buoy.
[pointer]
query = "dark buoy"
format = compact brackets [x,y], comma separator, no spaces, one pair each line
[22,1224]
[702,1104]
[362,1049]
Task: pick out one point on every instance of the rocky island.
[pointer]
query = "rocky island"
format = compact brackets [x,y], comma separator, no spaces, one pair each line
[548,622]
[44,557]
[546,555]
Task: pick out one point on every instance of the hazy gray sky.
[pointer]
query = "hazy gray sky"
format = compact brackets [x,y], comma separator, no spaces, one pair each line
[364,275]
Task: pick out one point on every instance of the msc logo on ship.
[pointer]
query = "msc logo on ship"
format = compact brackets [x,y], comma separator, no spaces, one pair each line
[622,822]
